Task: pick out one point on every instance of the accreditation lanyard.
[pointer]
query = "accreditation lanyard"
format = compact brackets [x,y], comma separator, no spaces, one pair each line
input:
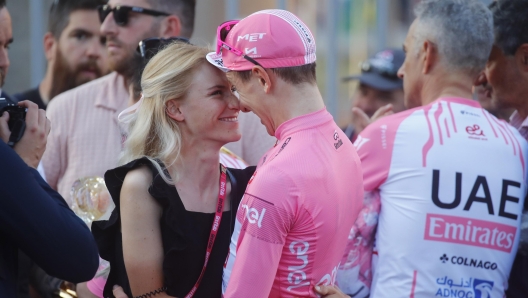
[214,228]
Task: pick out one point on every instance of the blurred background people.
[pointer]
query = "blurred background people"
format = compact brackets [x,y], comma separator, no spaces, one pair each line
[379,92]
[87,137]
[74,49]
[505,80]
[424,171]
[481,94]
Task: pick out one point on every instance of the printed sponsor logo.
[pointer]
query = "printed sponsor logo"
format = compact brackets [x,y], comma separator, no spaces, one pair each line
[222,188]
[284,145]
[469,262]
[338,142]
[251,37]
[469,113]
[467,288]
[481,186]
[297,276]
[253,215]
[383,136]
[476,133]
[249,51]
[360,141]
[304,30]
[216,223]
[469,231]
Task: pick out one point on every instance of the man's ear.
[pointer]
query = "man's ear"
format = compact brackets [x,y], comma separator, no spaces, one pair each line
[50,43]
[263,78]
[174,110]
[171,27]
[521,55]
[430,56]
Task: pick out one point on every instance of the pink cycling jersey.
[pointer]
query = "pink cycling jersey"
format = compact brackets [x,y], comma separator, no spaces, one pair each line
[448,181]
[294,219]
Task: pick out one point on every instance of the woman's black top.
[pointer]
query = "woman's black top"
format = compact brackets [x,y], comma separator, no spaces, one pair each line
[184,234]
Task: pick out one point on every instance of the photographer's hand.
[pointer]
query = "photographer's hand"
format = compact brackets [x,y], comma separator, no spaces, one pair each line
[32,145]
[4,128]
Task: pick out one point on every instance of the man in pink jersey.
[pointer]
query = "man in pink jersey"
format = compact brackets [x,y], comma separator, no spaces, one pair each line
[448,176]
[293,222]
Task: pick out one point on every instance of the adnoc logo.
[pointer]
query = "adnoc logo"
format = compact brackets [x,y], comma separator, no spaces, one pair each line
[482,288]
[464,288]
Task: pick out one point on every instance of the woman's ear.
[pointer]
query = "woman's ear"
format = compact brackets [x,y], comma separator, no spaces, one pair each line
[174,110]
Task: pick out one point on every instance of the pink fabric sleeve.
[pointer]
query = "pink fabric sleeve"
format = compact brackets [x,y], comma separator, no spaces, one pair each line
[54,160]
[374,147]
[266,213]
[96,286]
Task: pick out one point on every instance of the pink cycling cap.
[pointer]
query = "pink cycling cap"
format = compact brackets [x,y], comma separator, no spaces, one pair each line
[274,38]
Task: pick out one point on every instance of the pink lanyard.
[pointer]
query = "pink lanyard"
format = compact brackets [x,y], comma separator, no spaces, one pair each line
[214,228]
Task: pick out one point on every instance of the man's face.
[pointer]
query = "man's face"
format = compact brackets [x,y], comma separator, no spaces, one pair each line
[410,71]
[501,79]
[250,101]
[370,99]
[122,41]
[6,37]
[81,52]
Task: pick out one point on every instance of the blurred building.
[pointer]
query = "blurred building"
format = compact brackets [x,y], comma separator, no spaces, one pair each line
[346,31]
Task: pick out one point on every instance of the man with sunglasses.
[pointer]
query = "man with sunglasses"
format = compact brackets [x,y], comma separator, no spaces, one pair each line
[87,137]
[74,48]
[379,92]
[293,221]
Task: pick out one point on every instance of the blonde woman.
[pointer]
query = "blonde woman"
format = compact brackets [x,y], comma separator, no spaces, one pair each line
[174,202]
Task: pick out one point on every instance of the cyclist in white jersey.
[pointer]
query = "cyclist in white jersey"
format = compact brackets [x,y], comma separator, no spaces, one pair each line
[447,177]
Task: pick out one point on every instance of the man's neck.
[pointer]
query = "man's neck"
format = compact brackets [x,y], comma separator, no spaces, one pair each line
[294,101]
[446,85]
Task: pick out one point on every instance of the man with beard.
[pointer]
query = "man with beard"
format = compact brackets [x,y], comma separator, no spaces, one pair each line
[87,138]
[74,48]
[505,80]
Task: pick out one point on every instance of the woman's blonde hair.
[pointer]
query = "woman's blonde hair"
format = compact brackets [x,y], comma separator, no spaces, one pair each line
[152,133]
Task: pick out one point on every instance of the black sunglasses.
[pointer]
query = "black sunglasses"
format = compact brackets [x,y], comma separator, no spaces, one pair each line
[149,47]
[121,13]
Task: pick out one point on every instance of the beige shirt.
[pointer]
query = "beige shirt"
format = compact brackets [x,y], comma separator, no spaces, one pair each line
[255,139]
[85,138]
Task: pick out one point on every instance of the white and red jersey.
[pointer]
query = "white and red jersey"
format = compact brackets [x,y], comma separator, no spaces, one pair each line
[451,180]
[294,219]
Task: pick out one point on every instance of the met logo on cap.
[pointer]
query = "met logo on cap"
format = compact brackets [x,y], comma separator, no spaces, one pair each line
[251,37]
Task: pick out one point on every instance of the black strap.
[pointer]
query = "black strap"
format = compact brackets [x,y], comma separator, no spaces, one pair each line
[19,127]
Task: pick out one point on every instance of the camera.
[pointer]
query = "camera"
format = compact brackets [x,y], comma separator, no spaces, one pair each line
[15,112]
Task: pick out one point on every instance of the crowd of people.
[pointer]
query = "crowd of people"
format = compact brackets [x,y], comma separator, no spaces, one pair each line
[231,179]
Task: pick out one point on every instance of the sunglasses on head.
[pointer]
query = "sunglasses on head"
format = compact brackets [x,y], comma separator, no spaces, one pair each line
[149,47]
[121,13]
[221,35]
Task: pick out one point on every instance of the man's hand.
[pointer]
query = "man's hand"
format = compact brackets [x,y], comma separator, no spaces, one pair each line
[360,120]
[33,144]
[330,292]
[5,133]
